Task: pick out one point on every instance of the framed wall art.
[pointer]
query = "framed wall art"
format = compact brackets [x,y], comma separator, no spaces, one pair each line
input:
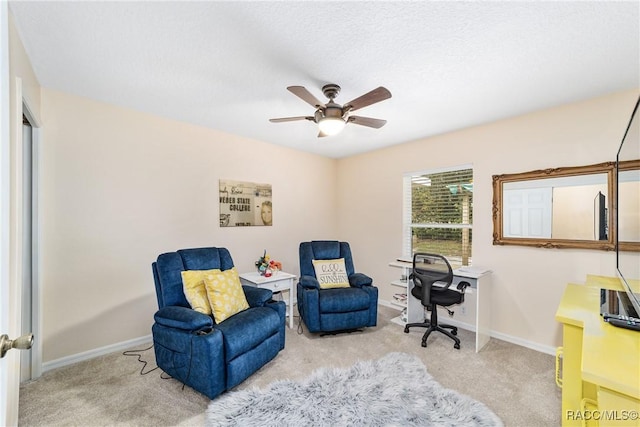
[245,204]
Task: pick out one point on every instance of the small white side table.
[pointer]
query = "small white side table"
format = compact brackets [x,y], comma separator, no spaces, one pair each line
[280,281]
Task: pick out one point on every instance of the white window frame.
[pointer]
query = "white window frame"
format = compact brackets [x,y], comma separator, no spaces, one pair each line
[407,225]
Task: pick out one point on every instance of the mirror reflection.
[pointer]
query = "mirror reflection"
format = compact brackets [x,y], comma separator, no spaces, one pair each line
[557,208]
[566,207]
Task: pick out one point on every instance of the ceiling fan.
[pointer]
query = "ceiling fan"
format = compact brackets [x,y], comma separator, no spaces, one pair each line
[332,117]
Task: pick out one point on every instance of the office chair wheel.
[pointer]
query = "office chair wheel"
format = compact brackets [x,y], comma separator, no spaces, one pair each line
[454,332]
[456,346]
[406,329]
[424,343]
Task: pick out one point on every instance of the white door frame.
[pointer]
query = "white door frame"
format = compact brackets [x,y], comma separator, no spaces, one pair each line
[23,108]
[9,387]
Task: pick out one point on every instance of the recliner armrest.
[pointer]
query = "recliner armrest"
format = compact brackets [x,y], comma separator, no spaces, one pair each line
[309,282]
[359,280]
[183,318]
[257,297]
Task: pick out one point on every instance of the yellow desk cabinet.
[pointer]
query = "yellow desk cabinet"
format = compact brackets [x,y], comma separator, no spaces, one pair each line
[599,363]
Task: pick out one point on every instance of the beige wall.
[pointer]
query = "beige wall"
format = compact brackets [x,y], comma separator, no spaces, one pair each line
[527,282]
[120,187]
[574,213]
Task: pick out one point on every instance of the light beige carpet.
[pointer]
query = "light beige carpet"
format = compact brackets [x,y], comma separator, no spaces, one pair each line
[514,382]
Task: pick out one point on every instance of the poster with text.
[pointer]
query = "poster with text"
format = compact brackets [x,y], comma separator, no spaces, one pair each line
[245,203]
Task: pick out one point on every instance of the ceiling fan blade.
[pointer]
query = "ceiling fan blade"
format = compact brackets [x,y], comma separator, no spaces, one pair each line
[367,121]
[290,119]
[376,95]
[305,95]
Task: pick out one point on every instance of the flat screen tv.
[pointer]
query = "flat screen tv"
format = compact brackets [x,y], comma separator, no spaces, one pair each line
[600,217]
[627,222]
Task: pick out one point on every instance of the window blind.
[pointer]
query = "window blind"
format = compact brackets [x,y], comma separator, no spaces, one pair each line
[438,213]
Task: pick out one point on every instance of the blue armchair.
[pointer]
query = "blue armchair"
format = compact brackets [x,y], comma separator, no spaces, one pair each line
[336,309]
[191,347]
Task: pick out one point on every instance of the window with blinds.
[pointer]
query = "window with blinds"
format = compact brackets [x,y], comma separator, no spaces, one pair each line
[438,213]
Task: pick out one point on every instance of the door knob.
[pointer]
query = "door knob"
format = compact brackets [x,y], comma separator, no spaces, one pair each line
[23,343]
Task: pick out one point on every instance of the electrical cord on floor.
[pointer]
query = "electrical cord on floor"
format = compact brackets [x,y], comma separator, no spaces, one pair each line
[138,353]
[300,328]
[144,362]
[281,298]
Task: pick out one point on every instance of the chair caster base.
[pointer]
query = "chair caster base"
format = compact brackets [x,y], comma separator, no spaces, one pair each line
[424,344]
[456,346]
[406,329]
[454,332]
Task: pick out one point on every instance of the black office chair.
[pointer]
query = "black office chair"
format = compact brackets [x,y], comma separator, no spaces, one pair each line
[432,276]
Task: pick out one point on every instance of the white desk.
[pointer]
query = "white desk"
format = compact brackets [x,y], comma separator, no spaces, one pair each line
[480,283]
[280,281]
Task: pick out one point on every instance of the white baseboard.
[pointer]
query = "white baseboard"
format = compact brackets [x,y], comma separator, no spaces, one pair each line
[504,337]
[524,343]
[146,340]
[80,357]
[386,303]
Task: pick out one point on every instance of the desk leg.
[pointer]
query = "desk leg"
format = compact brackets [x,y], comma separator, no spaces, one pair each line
[415,309]
[291,303]
[572,385]
[483,312]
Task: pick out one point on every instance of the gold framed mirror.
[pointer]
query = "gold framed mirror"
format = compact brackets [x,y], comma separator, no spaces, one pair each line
[565,207]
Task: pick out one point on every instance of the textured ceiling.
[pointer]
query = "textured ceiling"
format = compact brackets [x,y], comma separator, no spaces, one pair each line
[226,65]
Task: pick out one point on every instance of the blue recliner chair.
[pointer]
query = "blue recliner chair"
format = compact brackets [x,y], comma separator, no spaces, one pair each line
[338,309]
[191,347]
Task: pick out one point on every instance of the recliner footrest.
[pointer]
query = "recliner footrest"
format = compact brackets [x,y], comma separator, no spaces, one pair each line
[343,300]
[247,329]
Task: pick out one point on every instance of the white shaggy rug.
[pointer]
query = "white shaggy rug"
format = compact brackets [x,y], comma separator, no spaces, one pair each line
[395,390]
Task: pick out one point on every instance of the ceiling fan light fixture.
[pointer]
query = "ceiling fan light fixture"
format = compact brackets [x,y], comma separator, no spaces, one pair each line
[331,117]
[331,125]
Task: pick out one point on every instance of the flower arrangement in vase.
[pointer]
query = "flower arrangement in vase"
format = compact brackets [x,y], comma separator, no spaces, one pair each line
[267,266]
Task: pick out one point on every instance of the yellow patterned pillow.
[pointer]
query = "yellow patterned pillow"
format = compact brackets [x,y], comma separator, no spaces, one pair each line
[331,273]
[194,290]
[225,293]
